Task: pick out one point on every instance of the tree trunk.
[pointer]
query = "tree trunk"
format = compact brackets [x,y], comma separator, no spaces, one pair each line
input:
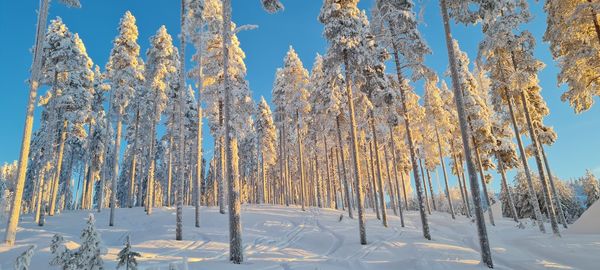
[133,161]
[329,184]
[301,163]
[561,213]
[511,202]
[38,200]
[36,73]
[169,171]
[115,168]
[439,143]
[235,227]
[373,182]
[486,254]
[595,20]
[355,157]
[389,178]
[431,189]
[152,168]
[532,196]
[343,174]
[538,160]
[281,166]
[462,185]
[379,176]
[425,188]
[411,147]
[486,196]
[221,163]
[58,170]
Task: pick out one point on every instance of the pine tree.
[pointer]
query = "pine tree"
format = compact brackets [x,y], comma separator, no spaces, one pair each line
[34,83]
[127,257]
[573,31]
[464,128]
[343,22]
[591,188]
[409,49]
[88,256]
[22,262]
[162,67]
[267,135]
[124,73]
[62,256]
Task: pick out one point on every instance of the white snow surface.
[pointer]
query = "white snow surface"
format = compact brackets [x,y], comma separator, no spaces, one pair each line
[287,238]
[589,222]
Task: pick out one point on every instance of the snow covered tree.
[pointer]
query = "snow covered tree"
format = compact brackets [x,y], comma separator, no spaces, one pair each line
[88,256]
[124,72]
[591,188]
[440,118]
[573,31]
[127,257]
[162,65]
[465,6]
[61,255]
[343,22]
[291,95]
[24,260]
[409,50]
[267,137]
[34,83]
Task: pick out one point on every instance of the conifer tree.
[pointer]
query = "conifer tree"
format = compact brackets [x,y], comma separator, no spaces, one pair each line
[24,260]
[267,138]
[88,256]
[573,31]
[34,84]
[409,50]
[343,22]
[127,257]
[123,72]
[591,188]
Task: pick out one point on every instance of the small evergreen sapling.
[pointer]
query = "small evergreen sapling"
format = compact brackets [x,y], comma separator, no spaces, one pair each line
[127,257]
[22,262]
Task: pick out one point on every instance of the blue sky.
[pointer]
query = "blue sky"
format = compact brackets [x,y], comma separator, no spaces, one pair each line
[576,149]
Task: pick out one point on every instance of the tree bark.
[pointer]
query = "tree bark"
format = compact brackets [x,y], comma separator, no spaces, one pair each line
[425,188]
[343,174]
[58,170]
[540,166]
[133,161]
[439,143]
[511,202]
[379,176]
[115,168]
[391,191]
[532,196]
[486,254]
[561,213]
[36,72]
[411,147]
[486,196]
[373,182]
[301,163]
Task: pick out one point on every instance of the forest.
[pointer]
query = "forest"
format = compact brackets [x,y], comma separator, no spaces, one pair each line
[370,133]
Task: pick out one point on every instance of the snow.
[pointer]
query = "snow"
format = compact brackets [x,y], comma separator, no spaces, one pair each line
[589,222]
[287,238]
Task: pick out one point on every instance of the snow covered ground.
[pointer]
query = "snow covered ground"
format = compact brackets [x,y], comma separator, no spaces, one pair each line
[287,238]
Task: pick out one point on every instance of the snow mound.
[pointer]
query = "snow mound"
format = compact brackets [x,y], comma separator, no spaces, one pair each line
[589,222]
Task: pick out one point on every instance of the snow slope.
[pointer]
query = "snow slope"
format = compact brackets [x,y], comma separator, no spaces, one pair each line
[287,238]
[589,222]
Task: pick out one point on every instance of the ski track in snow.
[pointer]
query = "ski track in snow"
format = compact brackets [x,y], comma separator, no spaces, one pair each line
[287,238]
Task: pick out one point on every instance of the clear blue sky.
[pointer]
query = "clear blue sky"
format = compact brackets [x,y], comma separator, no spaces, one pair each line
[576,149]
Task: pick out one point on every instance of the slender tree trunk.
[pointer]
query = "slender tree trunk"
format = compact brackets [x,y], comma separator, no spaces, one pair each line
[343,174]
[389,178]
[115,168]
[462,184]
[538,160]
[355,157]
[221,167]
[411,147]
[425,188]
[235,228]
[532,196]
[439,143]
[511,202]
[431,189]
[329,185]
[373,182]
[486,254]
[152,168]
[38,200]
[133,161]
[58,170]
[320,198]
[169,171]
[281,167]
[199,152]
[36,71]
[486,196]
[561,213]
[182,159]
[379,176]
[395,164]
[404,189]
[301,163]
